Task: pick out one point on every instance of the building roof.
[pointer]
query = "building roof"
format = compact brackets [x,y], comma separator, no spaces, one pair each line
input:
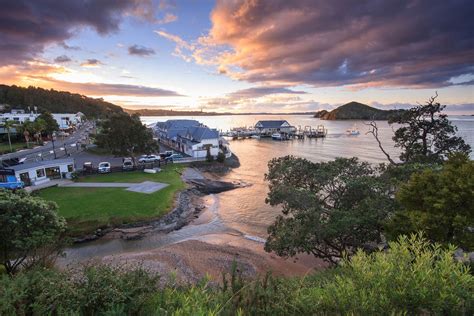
[183,123]
[202,132]
[44,163]
[271,123]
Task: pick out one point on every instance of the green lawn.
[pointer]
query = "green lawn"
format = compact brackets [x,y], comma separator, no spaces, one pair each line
[86,209]
[5,147]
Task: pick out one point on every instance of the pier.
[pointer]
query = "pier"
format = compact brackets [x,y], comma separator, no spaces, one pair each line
[288,133]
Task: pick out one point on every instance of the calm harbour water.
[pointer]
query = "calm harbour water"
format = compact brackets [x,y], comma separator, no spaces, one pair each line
[243,211]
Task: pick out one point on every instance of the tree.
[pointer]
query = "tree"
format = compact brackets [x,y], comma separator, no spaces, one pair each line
[439,201]
[329,209]
[28,225]
[39,126]
[8,126]
[425,135]
[125,135]
[51,125]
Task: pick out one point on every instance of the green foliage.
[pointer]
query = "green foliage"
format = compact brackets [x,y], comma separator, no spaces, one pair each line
[28,227]
[329,209]
[125,135]
[439,201]
[55,101]
[99,290]
[50,124]
[426,135]
[220,157]
[413,277]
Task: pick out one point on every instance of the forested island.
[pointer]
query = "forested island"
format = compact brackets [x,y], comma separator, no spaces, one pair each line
[356,111]
[54,101]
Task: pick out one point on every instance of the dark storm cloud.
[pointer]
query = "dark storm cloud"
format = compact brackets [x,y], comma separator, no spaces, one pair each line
[27,26]
[140,50]
[364,43]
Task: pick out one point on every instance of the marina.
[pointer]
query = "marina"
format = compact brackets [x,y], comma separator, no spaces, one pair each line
[276,130]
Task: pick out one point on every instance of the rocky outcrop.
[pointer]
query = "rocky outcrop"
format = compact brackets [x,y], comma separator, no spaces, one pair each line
[208,186]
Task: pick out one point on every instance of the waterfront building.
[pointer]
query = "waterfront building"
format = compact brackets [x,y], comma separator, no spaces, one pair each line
[189,137]
[269,127]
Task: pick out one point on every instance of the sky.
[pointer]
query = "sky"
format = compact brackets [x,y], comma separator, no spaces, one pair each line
[243,55]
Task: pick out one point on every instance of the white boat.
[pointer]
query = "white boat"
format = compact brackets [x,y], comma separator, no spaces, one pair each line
[353,131]
[255,136]
[277,136]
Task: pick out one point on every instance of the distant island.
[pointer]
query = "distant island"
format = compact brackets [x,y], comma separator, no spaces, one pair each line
[356,111]
[162,112]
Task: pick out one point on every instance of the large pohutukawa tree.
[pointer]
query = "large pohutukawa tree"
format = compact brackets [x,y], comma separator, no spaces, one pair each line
[329,209]
[425,134]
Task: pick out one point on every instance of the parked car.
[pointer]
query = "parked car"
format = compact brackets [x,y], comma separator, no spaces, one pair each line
[173,157]
[88,167]
[127,164]
[104,167]
[149,158]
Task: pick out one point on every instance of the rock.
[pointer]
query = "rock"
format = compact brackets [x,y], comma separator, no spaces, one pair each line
[212,186]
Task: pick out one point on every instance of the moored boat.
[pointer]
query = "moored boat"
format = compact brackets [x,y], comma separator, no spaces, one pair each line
[277,136]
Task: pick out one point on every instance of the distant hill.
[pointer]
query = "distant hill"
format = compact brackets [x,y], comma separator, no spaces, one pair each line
[162,112]
[55,101]
[356,111]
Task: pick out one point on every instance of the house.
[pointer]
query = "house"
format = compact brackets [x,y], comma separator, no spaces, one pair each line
[188,136]
[39,172]
[269,127]
[198,140]
[64,120]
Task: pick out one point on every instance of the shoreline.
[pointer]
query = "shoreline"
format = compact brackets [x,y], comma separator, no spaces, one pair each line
[191,242]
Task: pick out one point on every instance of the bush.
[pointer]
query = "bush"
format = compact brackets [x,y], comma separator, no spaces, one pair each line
[413,277]
[220,157]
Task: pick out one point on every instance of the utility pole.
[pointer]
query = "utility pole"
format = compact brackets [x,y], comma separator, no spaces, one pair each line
[53,136]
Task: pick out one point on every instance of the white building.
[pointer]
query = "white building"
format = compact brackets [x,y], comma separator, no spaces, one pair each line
[39,172]
[189,137]
[64,120]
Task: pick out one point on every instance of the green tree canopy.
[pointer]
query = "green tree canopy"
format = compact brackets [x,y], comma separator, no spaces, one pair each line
[329,208]
[50,125]
[123,134]
[439,201]
[27,224]
[426,134]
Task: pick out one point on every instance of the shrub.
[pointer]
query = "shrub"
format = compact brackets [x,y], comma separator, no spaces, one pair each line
[220,157]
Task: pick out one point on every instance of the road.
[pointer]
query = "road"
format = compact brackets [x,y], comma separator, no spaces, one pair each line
[62,146]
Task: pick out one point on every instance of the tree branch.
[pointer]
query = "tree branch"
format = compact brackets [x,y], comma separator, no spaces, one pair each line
[375,131]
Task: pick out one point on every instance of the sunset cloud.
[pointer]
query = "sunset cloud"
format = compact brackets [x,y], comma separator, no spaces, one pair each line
[139,50]
[27,27]
[362,43]
[62,59]
[91,63]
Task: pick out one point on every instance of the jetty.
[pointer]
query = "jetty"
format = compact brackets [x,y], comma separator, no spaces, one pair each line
[275,129]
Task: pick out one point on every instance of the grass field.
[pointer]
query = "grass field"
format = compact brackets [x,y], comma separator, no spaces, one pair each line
[5,147]
[86,209]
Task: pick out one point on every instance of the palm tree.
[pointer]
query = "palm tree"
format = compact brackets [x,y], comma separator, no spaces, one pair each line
[8,125]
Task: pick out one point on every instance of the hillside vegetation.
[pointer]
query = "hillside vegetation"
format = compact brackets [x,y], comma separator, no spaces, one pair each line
[356,111]
[55,101]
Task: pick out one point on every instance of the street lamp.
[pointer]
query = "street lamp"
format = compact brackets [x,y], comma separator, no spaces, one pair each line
[53,138]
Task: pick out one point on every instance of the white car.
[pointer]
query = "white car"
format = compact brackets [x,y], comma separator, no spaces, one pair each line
[149,158]
[104,167]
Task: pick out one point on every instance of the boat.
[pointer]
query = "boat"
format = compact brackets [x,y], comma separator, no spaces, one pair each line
[255,136]
[277,136]
[352,131]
